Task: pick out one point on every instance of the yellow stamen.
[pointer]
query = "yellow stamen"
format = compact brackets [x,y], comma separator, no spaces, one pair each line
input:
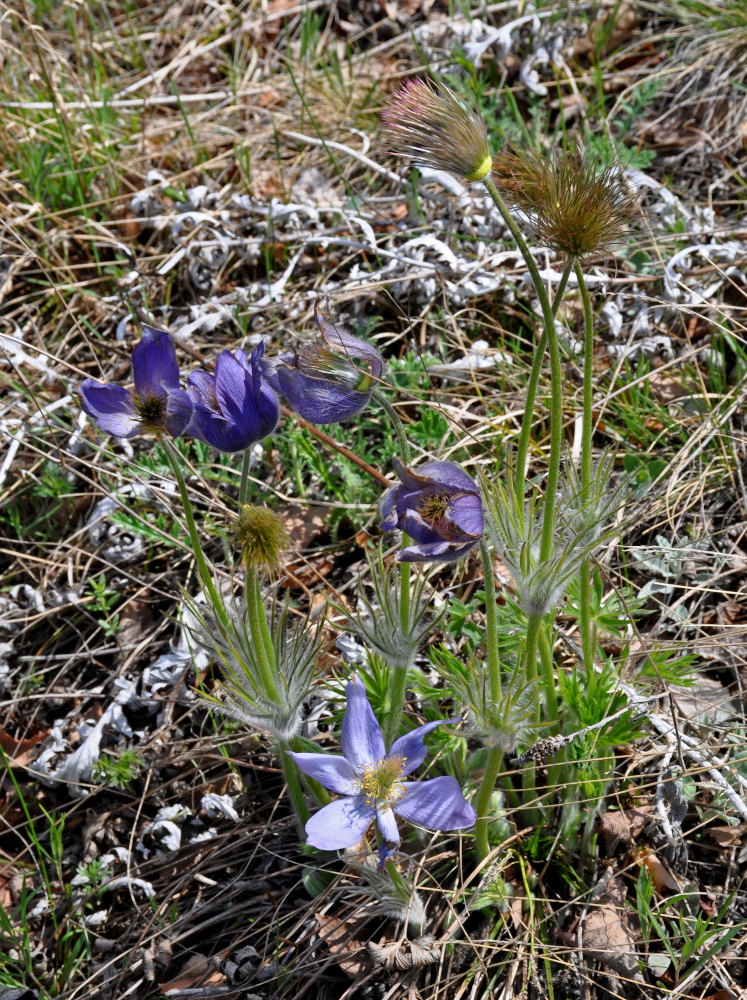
[381,782]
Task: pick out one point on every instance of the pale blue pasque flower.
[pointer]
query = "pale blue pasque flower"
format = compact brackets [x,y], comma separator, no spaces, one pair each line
[156,404]
[328,380]
[371,782]
[235,407]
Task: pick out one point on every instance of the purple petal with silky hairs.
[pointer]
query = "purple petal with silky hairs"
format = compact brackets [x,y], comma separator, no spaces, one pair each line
[346,344]
[434,474]
[361,740]
[388,511]
[387,823]
[465,511]
[339,824]
[111,406]
[330,770]
[154,367]
[319,400]
[412,747]
[437,804]
[432,552]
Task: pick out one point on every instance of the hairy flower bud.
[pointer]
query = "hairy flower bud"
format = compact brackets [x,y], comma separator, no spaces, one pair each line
[428,123]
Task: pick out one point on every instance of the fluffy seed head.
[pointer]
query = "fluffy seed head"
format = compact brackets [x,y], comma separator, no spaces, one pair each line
[575,204]
[262,538]
[428,123]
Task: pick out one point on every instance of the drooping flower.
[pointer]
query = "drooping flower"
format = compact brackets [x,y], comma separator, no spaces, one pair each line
[428,123]
[439,507]
[235,407]
[574,204]
[155,405]
[371,782]
[328,380]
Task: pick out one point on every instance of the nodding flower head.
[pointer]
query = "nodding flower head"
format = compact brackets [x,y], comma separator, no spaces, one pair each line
[439,507]
[235,407]
[574,204]
[328,380]
[155,405]
[428,123]
[262,538]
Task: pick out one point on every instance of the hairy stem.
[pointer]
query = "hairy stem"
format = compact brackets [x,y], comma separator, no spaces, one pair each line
[482,802]
[292,783]
[397,686]
[556,379]
[491,625]
[584,580]
[244,484]
[206,578]
[264,649]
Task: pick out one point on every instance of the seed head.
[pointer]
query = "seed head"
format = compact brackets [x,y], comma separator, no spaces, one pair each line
[261,538]
[575,204]
[428,123]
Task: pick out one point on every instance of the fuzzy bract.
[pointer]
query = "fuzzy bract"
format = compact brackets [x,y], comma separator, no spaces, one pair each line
[371,782]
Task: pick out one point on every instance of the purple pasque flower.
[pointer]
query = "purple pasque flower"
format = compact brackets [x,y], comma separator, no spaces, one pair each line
[328,380]
[235,407]
[371,782]
[439,507]
[156,404]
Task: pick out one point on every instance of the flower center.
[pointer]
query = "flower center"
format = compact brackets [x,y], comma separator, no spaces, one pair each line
[381,782]
[152,411]
[433,507]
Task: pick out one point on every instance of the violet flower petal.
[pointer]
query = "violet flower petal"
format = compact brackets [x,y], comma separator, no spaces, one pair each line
[465,511]
[154,367]
[179,411]
[111,406]
[361,740]
[437,804]
[320,401]
[340,824]
[387,824]
[411,746]
[330,770]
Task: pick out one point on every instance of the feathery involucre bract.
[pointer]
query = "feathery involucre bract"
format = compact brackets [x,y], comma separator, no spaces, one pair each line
[428,123]
[575,204]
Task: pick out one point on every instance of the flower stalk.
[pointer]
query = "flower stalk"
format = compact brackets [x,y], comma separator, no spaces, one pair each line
[584,579]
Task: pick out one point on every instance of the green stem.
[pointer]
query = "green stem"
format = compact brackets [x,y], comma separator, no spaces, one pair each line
[556,379]
[491,625]
[482,802]
[264,651]
[534,626]
[206,578]
[244,485]
[397,686]
[531,391]
[398,674]
[404,444]
[295,792]
[548,674]
[587,638]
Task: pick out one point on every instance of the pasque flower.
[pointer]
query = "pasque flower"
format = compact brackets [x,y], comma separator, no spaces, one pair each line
[371,782]
[428,123]
[235,407]
[439,507]
[328,380]
[156,404]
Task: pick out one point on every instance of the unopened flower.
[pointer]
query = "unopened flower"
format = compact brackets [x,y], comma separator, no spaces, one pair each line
[235,407]
[371,782]
[428,123]
[439,507]
[328,380]
[155,405]
[262,538]
[574,204]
